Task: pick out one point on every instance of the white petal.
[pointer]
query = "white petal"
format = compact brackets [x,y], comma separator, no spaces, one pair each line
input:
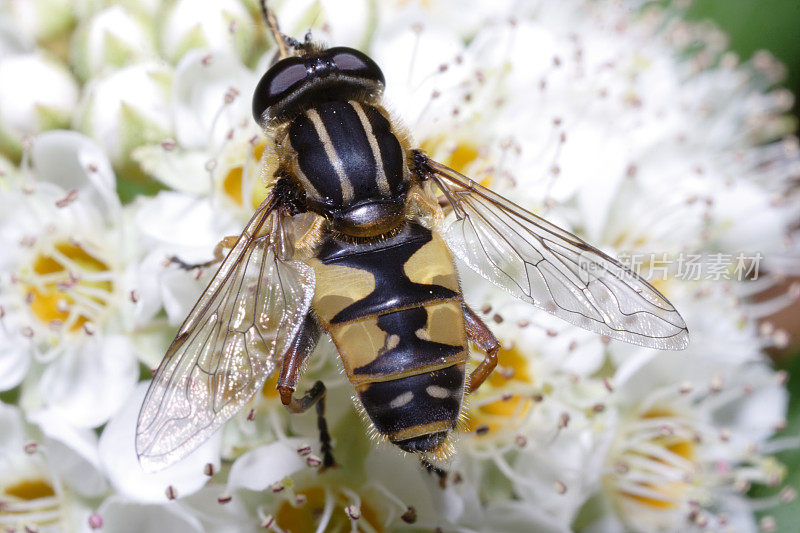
[31,83]
[202,81]
[13,435]
[73,453]
[112,37]
[260,468]
[126,109]
[118,454]
[87,386]
[14,362]
[124,516]
[73,161]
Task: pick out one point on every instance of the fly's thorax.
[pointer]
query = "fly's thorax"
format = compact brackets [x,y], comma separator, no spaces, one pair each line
[352,164]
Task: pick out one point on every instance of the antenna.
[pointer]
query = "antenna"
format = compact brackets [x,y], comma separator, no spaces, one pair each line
[283,42]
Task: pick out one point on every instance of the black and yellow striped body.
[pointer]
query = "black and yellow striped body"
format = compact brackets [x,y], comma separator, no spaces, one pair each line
[386,288]
[393,309]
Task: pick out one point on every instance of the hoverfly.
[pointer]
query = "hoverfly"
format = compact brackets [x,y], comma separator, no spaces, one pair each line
[374,270]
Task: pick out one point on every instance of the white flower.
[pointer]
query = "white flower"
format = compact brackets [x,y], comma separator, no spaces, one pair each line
[46,474]
[37,94]
[43,20]
[67,282]
[112,38]
[126,109]
[224,25]
[688,443]
[126,474]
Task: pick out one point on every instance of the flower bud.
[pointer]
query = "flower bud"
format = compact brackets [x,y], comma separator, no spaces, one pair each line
[37,95]
[127,109]
[110,39]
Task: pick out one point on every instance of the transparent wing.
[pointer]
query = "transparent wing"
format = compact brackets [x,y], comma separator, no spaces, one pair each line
[553,269]
[229,344]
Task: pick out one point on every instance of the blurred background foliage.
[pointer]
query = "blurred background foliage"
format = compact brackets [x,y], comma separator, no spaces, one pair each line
[772,25]
[754,25]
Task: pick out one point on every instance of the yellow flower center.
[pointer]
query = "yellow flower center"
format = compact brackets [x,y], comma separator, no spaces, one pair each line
[29,504]
[502,403]
[657,461]
[238,182]
[269,390]
[67,285]
[462,156]
[30,489]
[306,517]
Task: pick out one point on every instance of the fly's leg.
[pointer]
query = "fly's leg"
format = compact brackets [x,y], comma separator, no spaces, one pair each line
[480,334]
[431,468]
[225,244]
[291,369]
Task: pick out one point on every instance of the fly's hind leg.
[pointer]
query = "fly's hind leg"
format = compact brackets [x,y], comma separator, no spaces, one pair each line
[291,369]
[480,334]
[439,472]
[225,244]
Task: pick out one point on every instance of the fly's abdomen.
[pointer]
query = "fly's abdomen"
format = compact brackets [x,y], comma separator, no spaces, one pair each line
[393,308]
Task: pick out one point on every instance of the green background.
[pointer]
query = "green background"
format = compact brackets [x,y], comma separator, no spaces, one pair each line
[772,25]
[753,25]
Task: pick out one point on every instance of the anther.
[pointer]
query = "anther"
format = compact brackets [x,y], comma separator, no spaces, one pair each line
[353,511]
[31,448]
[313,461]
[224,498]
[208,469]
[171,493]
[410,516]
[71,196]
[560,487]
[716,383]
[788,494]
[767,524]
[304,449]
[95,521]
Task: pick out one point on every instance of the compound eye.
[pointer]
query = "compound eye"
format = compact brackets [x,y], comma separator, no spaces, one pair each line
[283,77]
[353,62]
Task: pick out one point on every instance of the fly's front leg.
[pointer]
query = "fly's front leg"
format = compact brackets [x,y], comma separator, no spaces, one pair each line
[291,370]
[480,334]
[225,244]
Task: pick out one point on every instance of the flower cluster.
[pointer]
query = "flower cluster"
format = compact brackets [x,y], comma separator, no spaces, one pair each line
[126,139]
